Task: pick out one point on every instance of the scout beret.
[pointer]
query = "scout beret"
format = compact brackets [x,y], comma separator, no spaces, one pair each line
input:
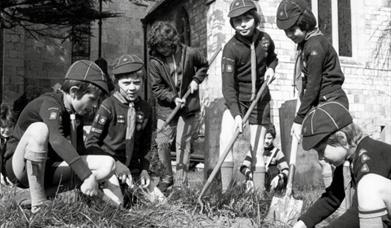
[87,71]
[322,121]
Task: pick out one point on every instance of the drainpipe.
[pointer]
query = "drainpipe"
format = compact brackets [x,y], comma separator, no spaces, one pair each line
[100,31]
[145,59]
[1,65]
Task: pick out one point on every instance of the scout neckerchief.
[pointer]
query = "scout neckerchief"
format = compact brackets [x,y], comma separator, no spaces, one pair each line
[130,126]
[297,74]
[253,70]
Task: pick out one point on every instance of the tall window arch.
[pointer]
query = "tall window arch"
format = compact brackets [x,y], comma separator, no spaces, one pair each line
[335,21]
[182,24]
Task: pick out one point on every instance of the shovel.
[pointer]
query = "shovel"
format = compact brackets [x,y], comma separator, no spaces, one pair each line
[286,209]
[231,143]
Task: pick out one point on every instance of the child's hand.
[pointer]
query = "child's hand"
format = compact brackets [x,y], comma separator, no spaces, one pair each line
[180,102]
[193,86]
[239,123]
[296,130]
[123,174]
[270,75]
[276,182]
[89,186]
[145,179]
[299,224]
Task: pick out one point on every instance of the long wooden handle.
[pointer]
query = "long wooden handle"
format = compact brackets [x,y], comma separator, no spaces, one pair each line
[292,160]
[232,141]
[292,165]
[219,163]
[175,111]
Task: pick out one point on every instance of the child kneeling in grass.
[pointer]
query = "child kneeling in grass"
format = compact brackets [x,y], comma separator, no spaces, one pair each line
[39,155]
[122,127]
[329,130]
[277,168]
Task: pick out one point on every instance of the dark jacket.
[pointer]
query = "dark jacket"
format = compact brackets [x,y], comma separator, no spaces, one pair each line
[49,109]
[195,68]
[236,67]
[322,73]
[108,132]
[371,156]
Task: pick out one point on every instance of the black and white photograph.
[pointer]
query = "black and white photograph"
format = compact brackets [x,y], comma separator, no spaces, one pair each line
[195,113]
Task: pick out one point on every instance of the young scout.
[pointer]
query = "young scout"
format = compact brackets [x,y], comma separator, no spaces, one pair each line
[174,68]
[317,64]
[277,168]
[317,60]
[39,155]
[248,59]
[330,131]
[122,125]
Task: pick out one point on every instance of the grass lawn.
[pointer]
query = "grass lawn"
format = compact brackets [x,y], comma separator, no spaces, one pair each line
[232,209]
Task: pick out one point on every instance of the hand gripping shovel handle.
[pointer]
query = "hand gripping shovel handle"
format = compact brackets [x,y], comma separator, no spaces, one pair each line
[231,143]
[175,111]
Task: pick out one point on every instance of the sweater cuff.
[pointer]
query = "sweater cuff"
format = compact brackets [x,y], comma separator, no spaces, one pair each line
[235,112]
[307,221]
[197,80]
[273,65]
[298,119]
[80,168]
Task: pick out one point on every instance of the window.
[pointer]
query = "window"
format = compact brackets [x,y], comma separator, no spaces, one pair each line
[334,20]
[81,45]
[183,26]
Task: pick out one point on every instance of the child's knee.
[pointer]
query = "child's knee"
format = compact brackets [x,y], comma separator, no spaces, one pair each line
[38,134]
[109,167]
[369,193]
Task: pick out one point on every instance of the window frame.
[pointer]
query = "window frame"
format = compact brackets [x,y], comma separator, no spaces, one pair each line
[335,27]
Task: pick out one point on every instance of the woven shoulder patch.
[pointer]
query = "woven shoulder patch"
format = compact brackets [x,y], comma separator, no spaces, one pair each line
[365,158]
[102,120]
[53,115]
[364,168]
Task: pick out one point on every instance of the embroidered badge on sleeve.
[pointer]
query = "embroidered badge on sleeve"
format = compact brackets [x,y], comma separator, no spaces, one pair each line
[364,168]
[102,120]
[265,43]
[53,113]
[228,68]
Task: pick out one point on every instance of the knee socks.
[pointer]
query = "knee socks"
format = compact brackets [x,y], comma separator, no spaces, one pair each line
[35,166]
[226,175]
[372,219]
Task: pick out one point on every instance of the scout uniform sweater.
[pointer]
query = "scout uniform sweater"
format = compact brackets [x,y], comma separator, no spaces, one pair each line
[108,132]
[194,66]
[371,156]
[322,72]
[49,109]
[236,67]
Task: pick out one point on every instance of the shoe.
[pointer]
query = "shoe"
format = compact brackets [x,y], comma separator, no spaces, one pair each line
[45,204]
